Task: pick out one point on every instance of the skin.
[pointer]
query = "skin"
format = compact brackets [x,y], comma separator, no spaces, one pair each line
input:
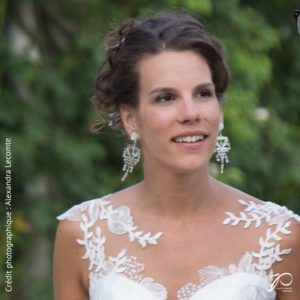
[183,201]
[162,116]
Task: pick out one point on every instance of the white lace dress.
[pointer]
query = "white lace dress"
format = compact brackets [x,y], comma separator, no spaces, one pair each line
[119,277]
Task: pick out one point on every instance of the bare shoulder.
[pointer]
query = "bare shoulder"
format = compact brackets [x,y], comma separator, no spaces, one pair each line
[231,195]
[290,265]
[286,265]
[126,196]
[69,269]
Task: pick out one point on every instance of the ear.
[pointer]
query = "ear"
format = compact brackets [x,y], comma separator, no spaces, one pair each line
[128,116]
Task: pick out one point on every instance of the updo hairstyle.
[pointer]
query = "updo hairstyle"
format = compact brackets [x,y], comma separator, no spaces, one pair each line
[117,79]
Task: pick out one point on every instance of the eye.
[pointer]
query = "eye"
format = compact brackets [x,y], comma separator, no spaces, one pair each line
[206,93]
[164,98]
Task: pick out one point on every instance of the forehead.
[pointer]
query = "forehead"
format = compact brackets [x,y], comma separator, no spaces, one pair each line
[173,68]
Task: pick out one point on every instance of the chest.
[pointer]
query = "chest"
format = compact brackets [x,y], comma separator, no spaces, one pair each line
[179,264]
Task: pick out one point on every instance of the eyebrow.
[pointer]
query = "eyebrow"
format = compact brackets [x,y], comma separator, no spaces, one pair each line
[169,90]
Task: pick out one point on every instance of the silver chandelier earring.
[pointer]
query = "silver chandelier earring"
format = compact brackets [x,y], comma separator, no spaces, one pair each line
[222,148]
[131,155]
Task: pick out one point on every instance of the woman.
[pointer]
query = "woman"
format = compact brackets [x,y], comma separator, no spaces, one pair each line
[178,234]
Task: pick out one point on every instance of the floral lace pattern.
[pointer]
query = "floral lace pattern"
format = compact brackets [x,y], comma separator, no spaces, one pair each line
[269,245]
[119,221]
[212,273]
[121,264]
[271,212]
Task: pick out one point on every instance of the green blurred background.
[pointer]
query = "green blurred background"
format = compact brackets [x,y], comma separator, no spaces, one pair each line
[50,51]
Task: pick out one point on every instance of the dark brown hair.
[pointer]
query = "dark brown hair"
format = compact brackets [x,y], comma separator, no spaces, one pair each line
[117,79]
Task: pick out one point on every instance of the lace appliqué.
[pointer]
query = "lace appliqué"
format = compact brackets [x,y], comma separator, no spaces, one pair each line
[271,212]
[269,252]
[119,221]
[130,268]
[121,264]
[212,273]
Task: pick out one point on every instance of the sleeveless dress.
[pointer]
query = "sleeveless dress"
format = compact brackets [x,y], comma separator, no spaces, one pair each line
[119,277]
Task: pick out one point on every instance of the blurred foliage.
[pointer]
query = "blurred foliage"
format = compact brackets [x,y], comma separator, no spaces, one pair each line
[50,51]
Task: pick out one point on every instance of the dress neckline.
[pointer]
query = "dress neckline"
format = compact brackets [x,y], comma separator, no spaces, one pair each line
[120,221]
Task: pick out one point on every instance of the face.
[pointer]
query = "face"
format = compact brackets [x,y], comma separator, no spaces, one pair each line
[178,114]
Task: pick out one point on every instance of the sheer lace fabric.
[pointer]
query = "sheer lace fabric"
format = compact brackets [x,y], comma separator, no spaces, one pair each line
[119,277]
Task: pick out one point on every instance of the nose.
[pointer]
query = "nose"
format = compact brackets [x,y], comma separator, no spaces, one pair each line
[189,111]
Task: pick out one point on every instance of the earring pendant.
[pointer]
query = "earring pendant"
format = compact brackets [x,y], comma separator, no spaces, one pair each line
[131,156]
[222,148]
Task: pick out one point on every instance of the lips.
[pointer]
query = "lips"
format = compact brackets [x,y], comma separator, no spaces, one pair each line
[190,137]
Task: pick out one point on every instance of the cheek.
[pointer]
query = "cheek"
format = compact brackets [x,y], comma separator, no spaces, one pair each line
[213,114]
[154,121]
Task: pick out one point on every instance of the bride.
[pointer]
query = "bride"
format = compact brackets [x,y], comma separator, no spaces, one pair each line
[178,234]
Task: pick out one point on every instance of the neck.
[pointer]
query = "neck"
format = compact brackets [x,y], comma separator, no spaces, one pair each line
[177,196]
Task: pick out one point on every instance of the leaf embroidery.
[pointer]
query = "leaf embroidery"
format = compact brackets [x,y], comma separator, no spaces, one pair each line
[120,221]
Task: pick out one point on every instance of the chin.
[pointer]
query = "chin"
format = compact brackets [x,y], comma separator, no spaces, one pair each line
[192,166]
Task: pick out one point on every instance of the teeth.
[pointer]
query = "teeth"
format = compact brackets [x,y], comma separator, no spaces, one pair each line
[189,139]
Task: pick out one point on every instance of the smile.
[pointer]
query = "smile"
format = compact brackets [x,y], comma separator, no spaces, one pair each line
[189,139]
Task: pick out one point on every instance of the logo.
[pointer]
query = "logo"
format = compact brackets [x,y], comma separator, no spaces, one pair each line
[285,279]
